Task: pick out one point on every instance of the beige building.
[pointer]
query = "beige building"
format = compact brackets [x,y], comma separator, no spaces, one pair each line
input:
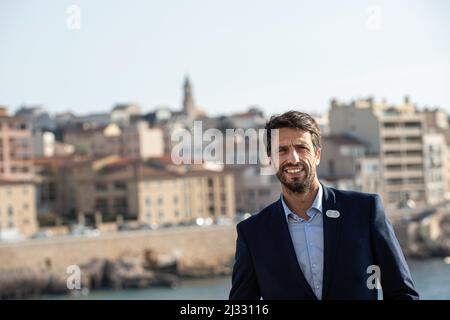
[399,136]
[55,196]
[16,147]
[154,193]
[17,209]
[95,141]
[137,140]
[17,189]
[140,141]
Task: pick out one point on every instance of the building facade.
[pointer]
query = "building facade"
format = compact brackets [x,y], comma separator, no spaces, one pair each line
[399,136]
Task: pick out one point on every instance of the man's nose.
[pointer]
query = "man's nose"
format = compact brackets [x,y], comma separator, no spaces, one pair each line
[293,156]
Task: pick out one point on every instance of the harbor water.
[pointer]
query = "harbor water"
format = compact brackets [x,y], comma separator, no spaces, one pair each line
[431,278]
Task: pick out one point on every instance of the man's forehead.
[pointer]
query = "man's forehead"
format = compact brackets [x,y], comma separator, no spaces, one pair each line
[288,136]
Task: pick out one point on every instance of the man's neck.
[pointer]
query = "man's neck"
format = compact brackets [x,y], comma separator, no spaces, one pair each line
[299,203]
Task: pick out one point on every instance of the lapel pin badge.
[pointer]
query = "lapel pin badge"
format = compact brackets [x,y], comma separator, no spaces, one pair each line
[333,214]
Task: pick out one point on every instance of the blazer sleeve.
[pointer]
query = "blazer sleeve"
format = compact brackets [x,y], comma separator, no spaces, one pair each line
[244,283]
[396,281]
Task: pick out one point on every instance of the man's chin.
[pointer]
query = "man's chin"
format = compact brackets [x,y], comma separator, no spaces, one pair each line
[297,187]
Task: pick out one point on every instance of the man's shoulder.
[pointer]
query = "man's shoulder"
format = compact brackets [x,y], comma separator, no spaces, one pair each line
[352,195]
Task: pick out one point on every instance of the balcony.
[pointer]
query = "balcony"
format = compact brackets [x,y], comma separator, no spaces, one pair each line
[402,146]
[400,132]
[400,174]
[402,160]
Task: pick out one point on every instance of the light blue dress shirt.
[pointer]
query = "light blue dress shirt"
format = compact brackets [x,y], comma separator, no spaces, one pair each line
[307,237]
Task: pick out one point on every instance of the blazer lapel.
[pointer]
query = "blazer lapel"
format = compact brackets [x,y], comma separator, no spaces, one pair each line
[331,232]
[286,249]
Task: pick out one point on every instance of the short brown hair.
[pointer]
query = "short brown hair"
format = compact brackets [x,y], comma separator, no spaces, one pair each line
[296,120]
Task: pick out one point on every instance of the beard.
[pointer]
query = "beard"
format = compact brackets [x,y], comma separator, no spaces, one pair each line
[296,184]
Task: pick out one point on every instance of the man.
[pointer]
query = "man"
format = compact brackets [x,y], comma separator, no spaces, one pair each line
[315,242]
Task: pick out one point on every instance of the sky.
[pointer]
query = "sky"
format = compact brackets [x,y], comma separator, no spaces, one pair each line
[278,55]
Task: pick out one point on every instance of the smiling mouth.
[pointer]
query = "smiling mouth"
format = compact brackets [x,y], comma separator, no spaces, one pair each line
[294,170]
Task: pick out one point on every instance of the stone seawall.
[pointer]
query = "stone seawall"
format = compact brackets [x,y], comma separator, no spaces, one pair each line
[194,247]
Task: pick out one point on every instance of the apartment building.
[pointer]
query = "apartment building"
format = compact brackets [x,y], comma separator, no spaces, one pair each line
[17,209]
[16,147]
[130,189]
[404,144]
[17,189]
[136,140]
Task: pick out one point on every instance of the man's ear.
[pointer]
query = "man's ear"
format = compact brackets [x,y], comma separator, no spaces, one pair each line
[318,153]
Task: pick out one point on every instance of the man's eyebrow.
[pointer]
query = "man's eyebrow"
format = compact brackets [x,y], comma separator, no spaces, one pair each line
[295,144]
[300,143]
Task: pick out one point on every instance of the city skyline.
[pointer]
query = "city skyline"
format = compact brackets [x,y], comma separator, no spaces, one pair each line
[277,56]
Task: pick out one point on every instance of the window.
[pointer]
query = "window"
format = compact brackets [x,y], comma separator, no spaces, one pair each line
[101,204]
[10,217]
[393,167]
[148,201]
[393,154]
[413,139]
[394,181]
[101,186]
[120,204]
[160,200]
[414,167]
[119,185]
[390,125]
[392,140]
[412,125]
[414,153]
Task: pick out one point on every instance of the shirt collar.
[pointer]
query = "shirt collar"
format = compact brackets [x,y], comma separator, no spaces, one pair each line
[317,204]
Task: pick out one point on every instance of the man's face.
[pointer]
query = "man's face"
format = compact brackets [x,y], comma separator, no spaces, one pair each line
[295,160]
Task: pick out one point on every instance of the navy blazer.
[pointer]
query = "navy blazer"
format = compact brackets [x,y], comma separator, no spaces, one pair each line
[266,265]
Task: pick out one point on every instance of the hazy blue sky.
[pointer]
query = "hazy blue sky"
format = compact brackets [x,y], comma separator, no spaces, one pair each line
[275,54]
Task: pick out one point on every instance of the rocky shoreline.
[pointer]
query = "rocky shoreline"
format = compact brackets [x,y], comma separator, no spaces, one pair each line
[126,272]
